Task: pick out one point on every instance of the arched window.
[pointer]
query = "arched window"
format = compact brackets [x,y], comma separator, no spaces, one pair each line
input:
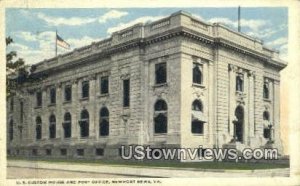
[197,106]
[266,91]
[38,128]
[104,122]
[52,126]
[239,83]
[267,126]
[266,116]
[11,130]
[160,117]
[84,123]
[161,73]
[197,74]
[198,120]
[160,105]
[67,125]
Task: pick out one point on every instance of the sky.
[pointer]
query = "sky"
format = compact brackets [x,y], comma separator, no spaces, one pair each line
[33,30]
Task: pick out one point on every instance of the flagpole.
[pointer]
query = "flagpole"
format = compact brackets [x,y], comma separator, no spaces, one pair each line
[239,19]
[55,43]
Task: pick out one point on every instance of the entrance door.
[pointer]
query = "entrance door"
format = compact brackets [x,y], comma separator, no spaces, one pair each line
[239,130]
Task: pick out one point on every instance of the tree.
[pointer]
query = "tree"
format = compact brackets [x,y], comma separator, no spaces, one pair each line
[16,70]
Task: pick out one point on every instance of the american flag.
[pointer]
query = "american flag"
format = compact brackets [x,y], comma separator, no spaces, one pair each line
[62,43]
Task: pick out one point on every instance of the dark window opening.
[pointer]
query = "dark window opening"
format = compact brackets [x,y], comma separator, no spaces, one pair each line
[267,133]
[80,152]
[52,96]
[126,93]
[84,124]
[104,85]
[68,93]
[38,128]
[197,105]
[48,152]
[239,83]
[52,127]
[85,89]
[67,124]
[160,105]
[197,127]
[63,152]
[266,116]
[99,152]
[104,122]
[39,99]
[161,125]
[266,91]
[11,130]
[161,73]
[160,118]
[34,152]
[197,74]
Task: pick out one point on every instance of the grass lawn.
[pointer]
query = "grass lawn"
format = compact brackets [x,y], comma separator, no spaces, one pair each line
[194,165]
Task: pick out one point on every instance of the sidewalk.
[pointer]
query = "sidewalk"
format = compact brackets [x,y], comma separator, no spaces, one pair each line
[149,171]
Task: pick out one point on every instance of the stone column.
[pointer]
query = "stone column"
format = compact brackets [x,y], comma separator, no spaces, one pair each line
[231,104]
[251,75]
[276,116]
[92,105]
[246,109]
[75,110]
[60,114]
[210,105]
[45,115]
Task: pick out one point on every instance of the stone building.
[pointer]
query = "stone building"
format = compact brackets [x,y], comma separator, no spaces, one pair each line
[175,82]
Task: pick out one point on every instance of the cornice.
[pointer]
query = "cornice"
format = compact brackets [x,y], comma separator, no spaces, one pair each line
[177,32]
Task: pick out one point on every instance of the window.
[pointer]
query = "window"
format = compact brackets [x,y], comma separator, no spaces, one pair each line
[52,127]
[239,83]
[267,133]
[48,152]
[160,117]
[267,126]
[126,93]
[34,152]
[84,124]
[11,130]
[197,127]
[266,91]
[104,85]
[197,106]
[160,73]
[12,104]
[197,74]
[67,125]
[266,116]
[85,89]
[39,100]
[99,152]
[104,122]
[68,93]
[80,152]
[38,128]
[21,111]
[63,152]
[52,96]
[197,117]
